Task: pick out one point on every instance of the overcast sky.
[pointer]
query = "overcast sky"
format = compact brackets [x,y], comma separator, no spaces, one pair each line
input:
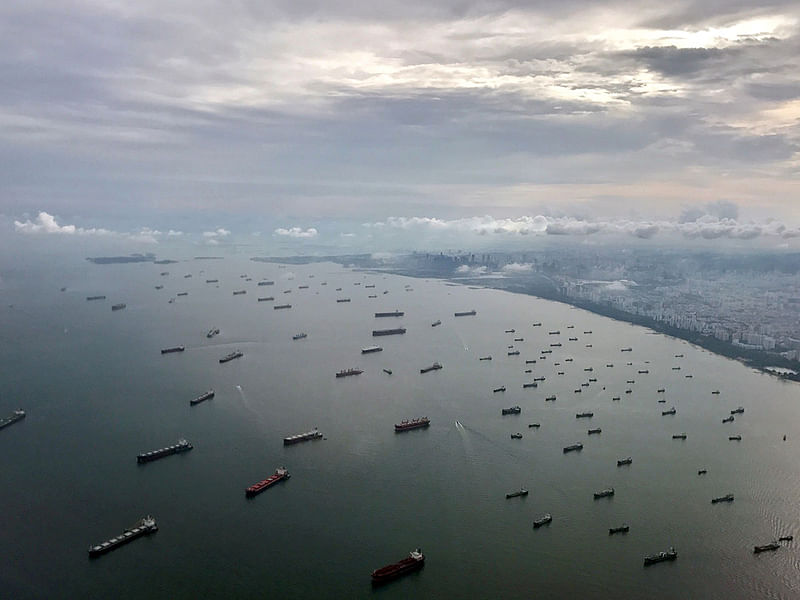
[199,115]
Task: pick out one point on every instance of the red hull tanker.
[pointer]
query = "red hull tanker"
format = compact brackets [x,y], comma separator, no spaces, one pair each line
[414,561]
[280,474]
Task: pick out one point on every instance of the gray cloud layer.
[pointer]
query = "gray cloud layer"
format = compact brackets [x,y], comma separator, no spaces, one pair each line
[311,108]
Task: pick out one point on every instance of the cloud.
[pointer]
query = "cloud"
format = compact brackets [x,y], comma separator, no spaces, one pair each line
[218,233]
[46,223]
[517,268]
[296,232]
[472,271]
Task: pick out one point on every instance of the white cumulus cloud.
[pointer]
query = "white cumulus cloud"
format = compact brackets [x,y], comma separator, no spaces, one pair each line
[297,232]
[46,223]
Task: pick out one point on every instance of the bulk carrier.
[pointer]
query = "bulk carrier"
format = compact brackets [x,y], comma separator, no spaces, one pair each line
[314,434]
[395,313]
[415,560]
[281,473]
[17,415]
[202,398]
[181,446]
[231,356]
[398,331]
[406,425]
[145,526]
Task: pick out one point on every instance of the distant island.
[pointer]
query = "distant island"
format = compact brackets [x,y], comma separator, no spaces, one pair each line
[111,260]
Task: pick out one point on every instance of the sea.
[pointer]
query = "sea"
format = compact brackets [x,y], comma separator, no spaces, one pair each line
[98,391]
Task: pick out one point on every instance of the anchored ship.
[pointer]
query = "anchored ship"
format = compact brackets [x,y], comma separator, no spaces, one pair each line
[766,547]
[181,446]
[406,425]
[266,283]
[514,410]
[202,398]
[17,415]
[624,461]
[266,299]
[436,323]
[349,372]
[280,306]
[343,299]
[231,356]
[466,313]
[212,332]
[95,297]
[143,527]
[583,415]
[573,447]
[314,434]
[604,493]
[725,498]
[521,492]
[239,292]
[173,349]
[543,520]
[621,529]
[397,331]
[670,554]
[300,336]
[371,349]
[532,384]
[415,560]
[281,474]
[434,367]
[394,313]
[119,306]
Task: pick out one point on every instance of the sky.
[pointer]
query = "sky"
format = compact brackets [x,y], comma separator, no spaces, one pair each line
[306,120]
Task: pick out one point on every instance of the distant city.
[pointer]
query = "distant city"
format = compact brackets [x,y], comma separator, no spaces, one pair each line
[743,305]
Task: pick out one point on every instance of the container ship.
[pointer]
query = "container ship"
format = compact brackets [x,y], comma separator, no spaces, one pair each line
[231,356]
[145,526]
[17,415]
[466,313]
[394,313]
[434,367]
[349,372]
[202,398]
[398,331]
[181,446]
[279,306]
[414,561]
[95,297]
[119,306]
[371,349]
[212,332]
[406,425]
[314,434]
[281,474]
[173,349]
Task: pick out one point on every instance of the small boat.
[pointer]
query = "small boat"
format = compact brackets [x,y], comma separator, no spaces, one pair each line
[725,498]
[610,365]
[521,492]
[299,336]
[766,547]
[202,398]
[528,371]
[604,493]
[715,392]
[212,332]
[510,330]
[516,436]
[543,520]
[231,356]
[786,538]
[615,398]
[371,349]
[595,430]
[621,529]
[519,339]
[387,371]
[485,358]
[624,461]
[651,559]
[671,411]
[643,371]
[660,391]
[550,399]
[679,436]
[536,324]
[587,332]
[436,323]
[173,349]
[502,388]
[662,401]
[239,292]
[679,356]
[702,471]
[728,419]
[735,438]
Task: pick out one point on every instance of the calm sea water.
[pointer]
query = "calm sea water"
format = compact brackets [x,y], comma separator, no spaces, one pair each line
[98,392]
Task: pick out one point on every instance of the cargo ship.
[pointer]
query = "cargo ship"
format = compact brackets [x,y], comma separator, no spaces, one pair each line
[279,306]
[394,313]
[343,299]
[436,323]
[670,554]
[620,529]
[584,415]
[266,299]
[532,384]
[231,356]
[181,446]
[485,357]
[314,434]
[371,349]
[212,332]
[406,425]
[514,410]
[513,353]
[595,430]
[766,547]
[434,367]
[266,283]
[550,399]
[543,520]
[671,411]
[521,492]
[173,349]
[145,526]
[280,474]
[95,297]
[119,306]
[239,292]
[624,461]
[299,336]
[502,388]
[17,415]
[573,447]
[604,493]
[398,331]
[725,498]
[349,372]
[212,280]
[202,398]
[415,560]
[466,313]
